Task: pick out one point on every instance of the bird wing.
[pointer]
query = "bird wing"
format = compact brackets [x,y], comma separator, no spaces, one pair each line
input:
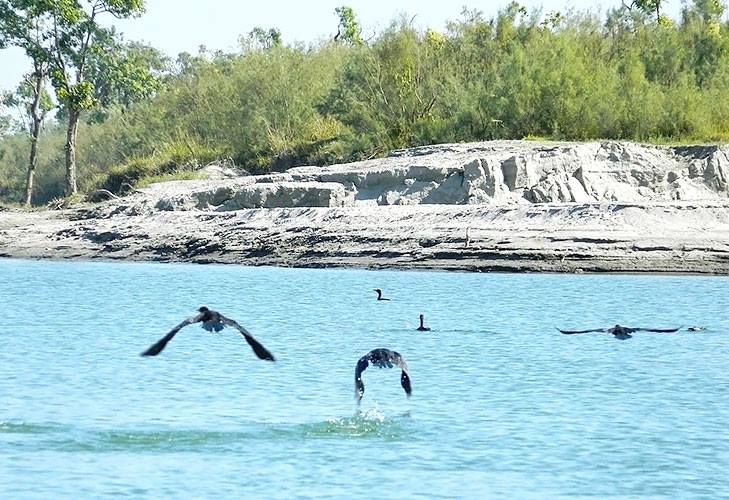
[399,361]
[570,332]
[659,330]
[260,351]
[157,348]
[383,358]
[362,365]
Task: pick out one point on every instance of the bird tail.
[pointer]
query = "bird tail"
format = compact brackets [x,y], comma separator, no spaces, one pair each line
[212,326]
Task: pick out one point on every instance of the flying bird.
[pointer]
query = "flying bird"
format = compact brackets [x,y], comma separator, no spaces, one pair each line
[379,294]
[422,327]
[620,332]
[381,358]
[211,321]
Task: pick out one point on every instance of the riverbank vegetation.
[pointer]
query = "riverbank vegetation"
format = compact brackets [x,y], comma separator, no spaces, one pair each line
[628,74]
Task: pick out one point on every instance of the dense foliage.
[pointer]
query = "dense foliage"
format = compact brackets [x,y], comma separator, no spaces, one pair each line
[630,74]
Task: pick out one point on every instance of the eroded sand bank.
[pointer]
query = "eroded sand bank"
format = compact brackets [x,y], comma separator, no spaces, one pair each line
[510,206]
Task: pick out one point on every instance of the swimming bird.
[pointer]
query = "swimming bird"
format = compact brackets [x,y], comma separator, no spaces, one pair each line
[381,358]
[422,327]
[211,321]
[379,294]
[620,332]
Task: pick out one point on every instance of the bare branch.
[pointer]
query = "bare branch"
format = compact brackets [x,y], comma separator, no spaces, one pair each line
[84,50]
[57,54]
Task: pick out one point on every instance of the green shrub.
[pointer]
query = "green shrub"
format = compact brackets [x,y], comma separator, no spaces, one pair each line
[172,161]
[569,76]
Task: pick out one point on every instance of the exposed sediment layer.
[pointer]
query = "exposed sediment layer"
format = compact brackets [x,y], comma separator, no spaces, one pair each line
[617,237]
[507,206]
[493,173]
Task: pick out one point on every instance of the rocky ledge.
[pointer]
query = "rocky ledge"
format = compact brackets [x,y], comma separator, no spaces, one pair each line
[494,206]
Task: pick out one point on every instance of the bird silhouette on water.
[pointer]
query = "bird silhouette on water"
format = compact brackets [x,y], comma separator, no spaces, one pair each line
[379,294]
[422,327]
[212,321]
[381,358]
[620,332]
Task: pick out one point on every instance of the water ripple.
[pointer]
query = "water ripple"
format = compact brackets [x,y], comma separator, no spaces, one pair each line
[503,405]
[370,424]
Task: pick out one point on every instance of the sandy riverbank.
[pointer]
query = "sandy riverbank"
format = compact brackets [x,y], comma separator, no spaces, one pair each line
[464,207]
[676,237]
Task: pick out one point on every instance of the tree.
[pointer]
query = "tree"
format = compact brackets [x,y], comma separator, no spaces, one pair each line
[708,11]
[648,7]
[64,34]
[76,34]
[702,26]
[260,39]
[122,74]
[34,103]
[5,123]
[23,23]
[348,30]
[388,92]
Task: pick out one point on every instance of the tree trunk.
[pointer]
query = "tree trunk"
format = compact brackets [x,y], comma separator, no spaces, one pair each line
[31,164]
[37,116]
[73,117]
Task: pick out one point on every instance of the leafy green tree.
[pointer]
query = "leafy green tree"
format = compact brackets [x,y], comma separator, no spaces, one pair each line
[187,65]
[5,125]
[270,106]
[708,11]
[34,103]
[650,7]
[76,35]
[261,39]
[65,35]
[390,93]
[553,20]
[508,23]
[703,33]
[349,30]
[24,23]
[122,74]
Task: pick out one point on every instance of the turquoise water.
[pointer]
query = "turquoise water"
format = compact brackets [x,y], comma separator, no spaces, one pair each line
[503,405]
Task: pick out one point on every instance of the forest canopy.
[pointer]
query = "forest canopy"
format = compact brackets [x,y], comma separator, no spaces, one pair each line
[628,74]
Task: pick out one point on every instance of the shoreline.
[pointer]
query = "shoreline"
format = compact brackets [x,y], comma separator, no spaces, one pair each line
[500,206]
[106,260]
[545,238]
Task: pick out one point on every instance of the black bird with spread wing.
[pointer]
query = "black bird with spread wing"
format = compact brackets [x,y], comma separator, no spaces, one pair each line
[211,321]
[621,332]
[381,358]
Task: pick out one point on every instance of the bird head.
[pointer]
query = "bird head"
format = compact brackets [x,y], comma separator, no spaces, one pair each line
[203,309]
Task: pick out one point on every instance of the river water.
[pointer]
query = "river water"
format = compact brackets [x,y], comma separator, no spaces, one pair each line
[503,405]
